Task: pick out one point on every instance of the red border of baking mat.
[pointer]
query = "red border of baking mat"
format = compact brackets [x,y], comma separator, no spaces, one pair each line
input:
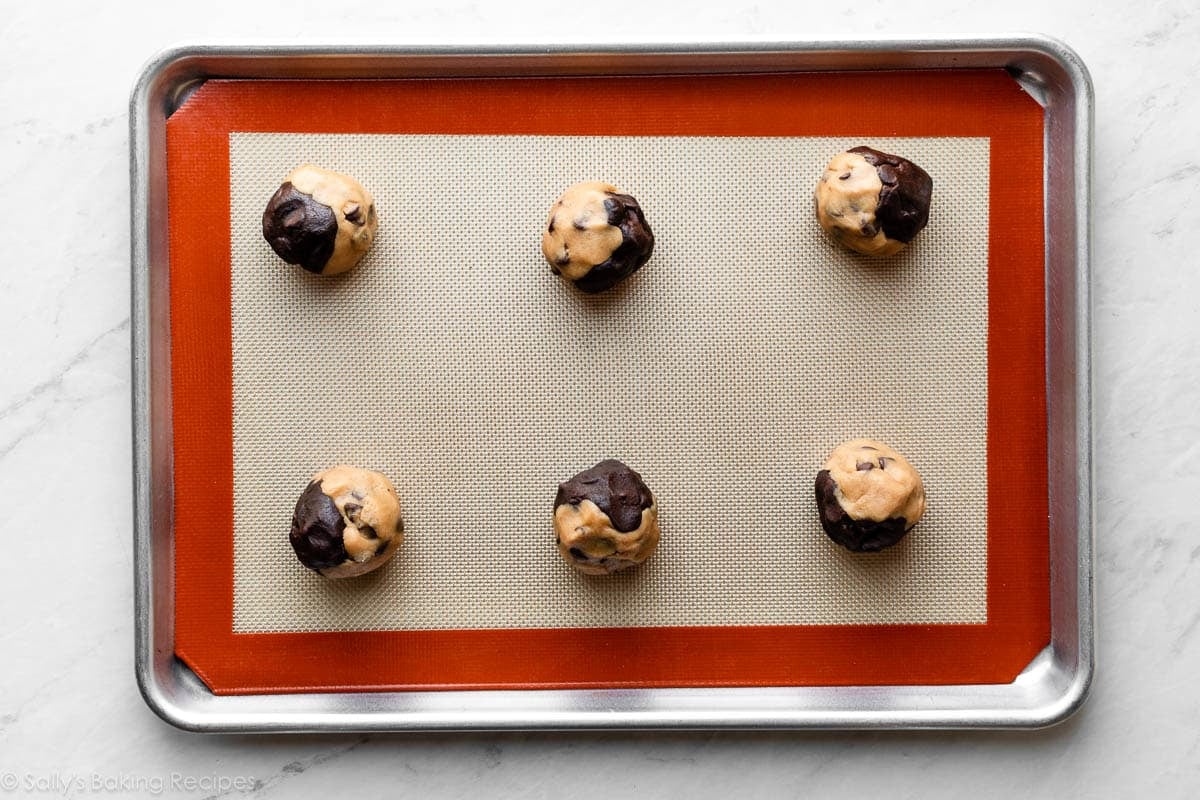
[984,103]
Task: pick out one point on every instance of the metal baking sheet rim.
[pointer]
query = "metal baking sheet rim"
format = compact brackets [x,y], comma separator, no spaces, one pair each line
[1051,688]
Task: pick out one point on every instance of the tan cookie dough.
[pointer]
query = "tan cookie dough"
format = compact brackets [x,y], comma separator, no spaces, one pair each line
[605,519]
[321,220]
[595,236]
[873,202]
[868,495]
[347,522]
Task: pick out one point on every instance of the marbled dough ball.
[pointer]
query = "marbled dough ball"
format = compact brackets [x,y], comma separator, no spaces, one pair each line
[320,220]
[347,522]
[605,519]
[596,237]
[873,202]
[868,495]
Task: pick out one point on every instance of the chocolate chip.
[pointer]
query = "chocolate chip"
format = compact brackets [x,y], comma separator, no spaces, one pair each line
[381,548]
[550,227]
[884,461]
[294,218]
[368,532]
[579,225]
[578,554]
[353,213]
[864,466]
[844,176]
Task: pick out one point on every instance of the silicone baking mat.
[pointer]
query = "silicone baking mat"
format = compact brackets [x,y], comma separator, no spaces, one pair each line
[724,371]
[455,362]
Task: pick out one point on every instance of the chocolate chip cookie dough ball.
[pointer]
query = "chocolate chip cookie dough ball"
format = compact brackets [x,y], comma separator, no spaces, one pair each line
[347,522]
[321,220]
[596,237]
[605,519]
[868,496]
[873,202]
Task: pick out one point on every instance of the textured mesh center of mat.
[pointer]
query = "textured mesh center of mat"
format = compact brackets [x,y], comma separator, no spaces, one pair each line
[724,371]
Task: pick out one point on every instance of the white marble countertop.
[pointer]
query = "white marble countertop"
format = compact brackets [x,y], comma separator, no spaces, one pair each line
[71,720]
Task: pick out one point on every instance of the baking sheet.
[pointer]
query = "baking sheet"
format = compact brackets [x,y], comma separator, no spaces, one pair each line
[1048,689]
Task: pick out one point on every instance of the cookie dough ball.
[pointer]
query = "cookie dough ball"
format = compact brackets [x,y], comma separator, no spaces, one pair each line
[321,220]
[873,202]
[868,496]
[605,519]
[347,522]
[596,237]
